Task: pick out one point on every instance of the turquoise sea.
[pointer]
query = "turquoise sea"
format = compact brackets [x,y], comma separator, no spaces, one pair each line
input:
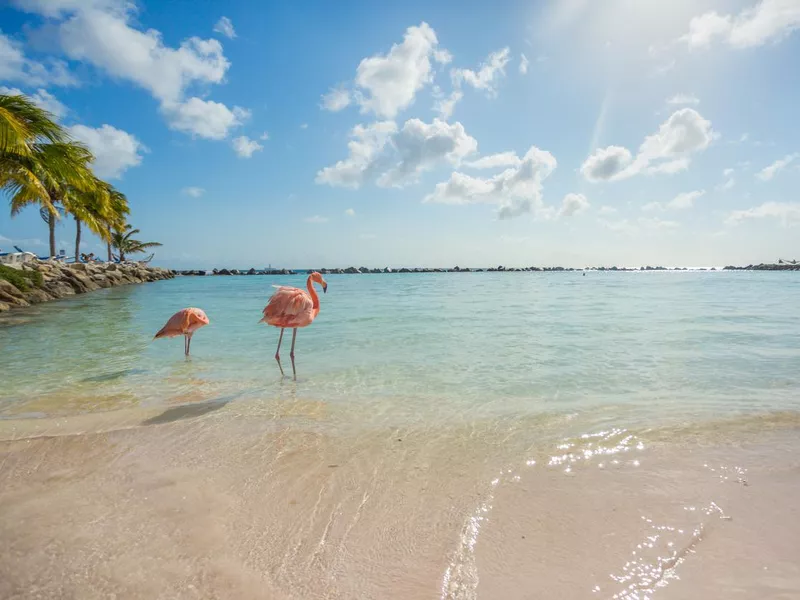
[426,347]
[461,436]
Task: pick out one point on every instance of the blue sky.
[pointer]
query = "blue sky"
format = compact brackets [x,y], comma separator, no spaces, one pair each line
[433,134]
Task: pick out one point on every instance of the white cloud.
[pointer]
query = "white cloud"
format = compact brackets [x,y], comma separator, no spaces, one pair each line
[115,151]
[679,99]
[729,182]
[669,167]
[106,40]
[194,192]
[389,83]
[515,191]
[420,147]
[680,202]
[787,212]
[442,56]
[396,158]
[367,236]
[488,74]
[225,27]
[336,99]
[366,145]
[607,210]
[245,147]
[768,20]
[350,212]
[445,105]
[103,33]
[316,219]
[41,98]
[204,118]
[494,161]
[523,64]
[264,136]
[685,200]
[666,151]
[573,204]
[767,173]
[15,67]
[606,163]
[303,125]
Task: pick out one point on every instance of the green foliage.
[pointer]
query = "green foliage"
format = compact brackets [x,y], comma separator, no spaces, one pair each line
[22,280]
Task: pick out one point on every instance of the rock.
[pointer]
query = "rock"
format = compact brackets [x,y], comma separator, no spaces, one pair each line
[37,296]
[4,306]
[387,270]
[59,289]
[9,294]
[77,267]
[222,272]
[351,270]
[251,272]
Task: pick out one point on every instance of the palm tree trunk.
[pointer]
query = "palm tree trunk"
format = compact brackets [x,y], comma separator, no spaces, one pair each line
[110,254]
[51,224]
[77,239]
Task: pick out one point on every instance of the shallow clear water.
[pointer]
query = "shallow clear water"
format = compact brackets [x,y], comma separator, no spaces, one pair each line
[402,349]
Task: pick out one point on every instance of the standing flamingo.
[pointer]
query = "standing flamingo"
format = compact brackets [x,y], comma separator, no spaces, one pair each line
[184,322]
[292,307]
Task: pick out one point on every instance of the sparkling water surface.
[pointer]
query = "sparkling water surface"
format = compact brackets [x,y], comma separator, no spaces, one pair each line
[416,348]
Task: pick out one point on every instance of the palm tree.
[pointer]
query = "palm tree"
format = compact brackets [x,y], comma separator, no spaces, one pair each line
[90,208]
[115,218]
[122,240]
[38,162]
[22,124]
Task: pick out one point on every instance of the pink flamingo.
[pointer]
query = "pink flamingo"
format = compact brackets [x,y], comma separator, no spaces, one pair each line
[291,307]
[184,322]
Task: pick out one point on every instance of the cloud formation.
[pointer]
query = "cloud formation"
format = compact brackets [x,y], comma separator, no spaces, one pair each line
[515,191]
[397,157]
[768,20]
[767,173]
[115,151]
[667,151]
[225,27]
[245,147]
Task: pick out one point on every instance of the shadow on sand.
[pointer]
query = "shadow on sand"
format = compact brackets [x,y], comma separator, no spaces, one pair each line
[188,411]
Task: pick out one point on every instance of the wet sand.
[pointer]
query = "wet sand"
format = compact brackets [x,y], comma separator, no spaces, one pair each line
[209,501]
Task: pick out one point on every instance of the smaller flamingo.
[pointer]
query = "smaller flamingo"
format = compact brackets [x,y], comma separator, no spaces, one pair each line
[291,307]
[184,322]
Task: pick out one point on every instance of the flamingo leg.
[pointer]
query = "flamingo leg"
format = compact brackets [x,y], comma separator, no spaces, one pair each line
[278,352]
[291,354]
[188,343]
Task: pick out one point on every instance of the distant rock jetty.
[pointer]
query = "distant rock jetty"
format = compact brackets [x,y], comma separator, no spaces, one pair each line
[41,281]
[781,266]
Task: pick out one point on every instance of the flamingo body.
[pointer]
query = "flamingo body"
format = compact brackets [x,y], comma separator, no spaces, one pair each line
[184,322]
[292,308]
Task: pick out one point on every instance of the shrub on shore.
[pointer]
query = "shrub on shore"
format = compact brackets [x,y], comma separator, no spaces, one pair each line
[22,280]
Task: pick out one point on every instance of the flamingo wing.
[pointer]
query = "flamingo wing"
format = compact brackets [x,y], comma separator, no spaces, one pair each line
[287,306]
[177,324]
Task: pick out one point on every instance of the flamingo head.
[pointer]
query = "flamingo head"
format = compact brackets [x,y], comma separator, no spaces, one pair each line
[317,278]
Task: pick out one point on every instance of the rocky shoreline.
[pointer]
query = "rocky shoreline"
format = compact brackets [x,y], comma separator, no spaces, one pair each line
[365,270]
[42,281]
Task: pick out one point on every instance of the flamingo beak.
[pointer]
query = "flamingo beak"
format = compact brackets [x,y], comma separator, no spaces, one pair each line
[324,288]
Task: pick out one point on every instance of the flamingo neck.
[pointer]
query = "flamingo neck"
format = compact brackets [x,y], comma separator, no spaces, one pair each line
[313,293]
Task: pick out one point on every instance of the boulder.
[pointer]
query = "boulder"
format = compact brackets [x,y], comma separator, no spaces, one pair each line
[9,294]
[77,267]
[251,272]
[37,296]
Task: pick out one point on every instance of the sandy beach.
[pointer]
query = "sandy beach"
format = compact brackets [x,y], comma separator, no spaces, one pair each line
[217,502]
